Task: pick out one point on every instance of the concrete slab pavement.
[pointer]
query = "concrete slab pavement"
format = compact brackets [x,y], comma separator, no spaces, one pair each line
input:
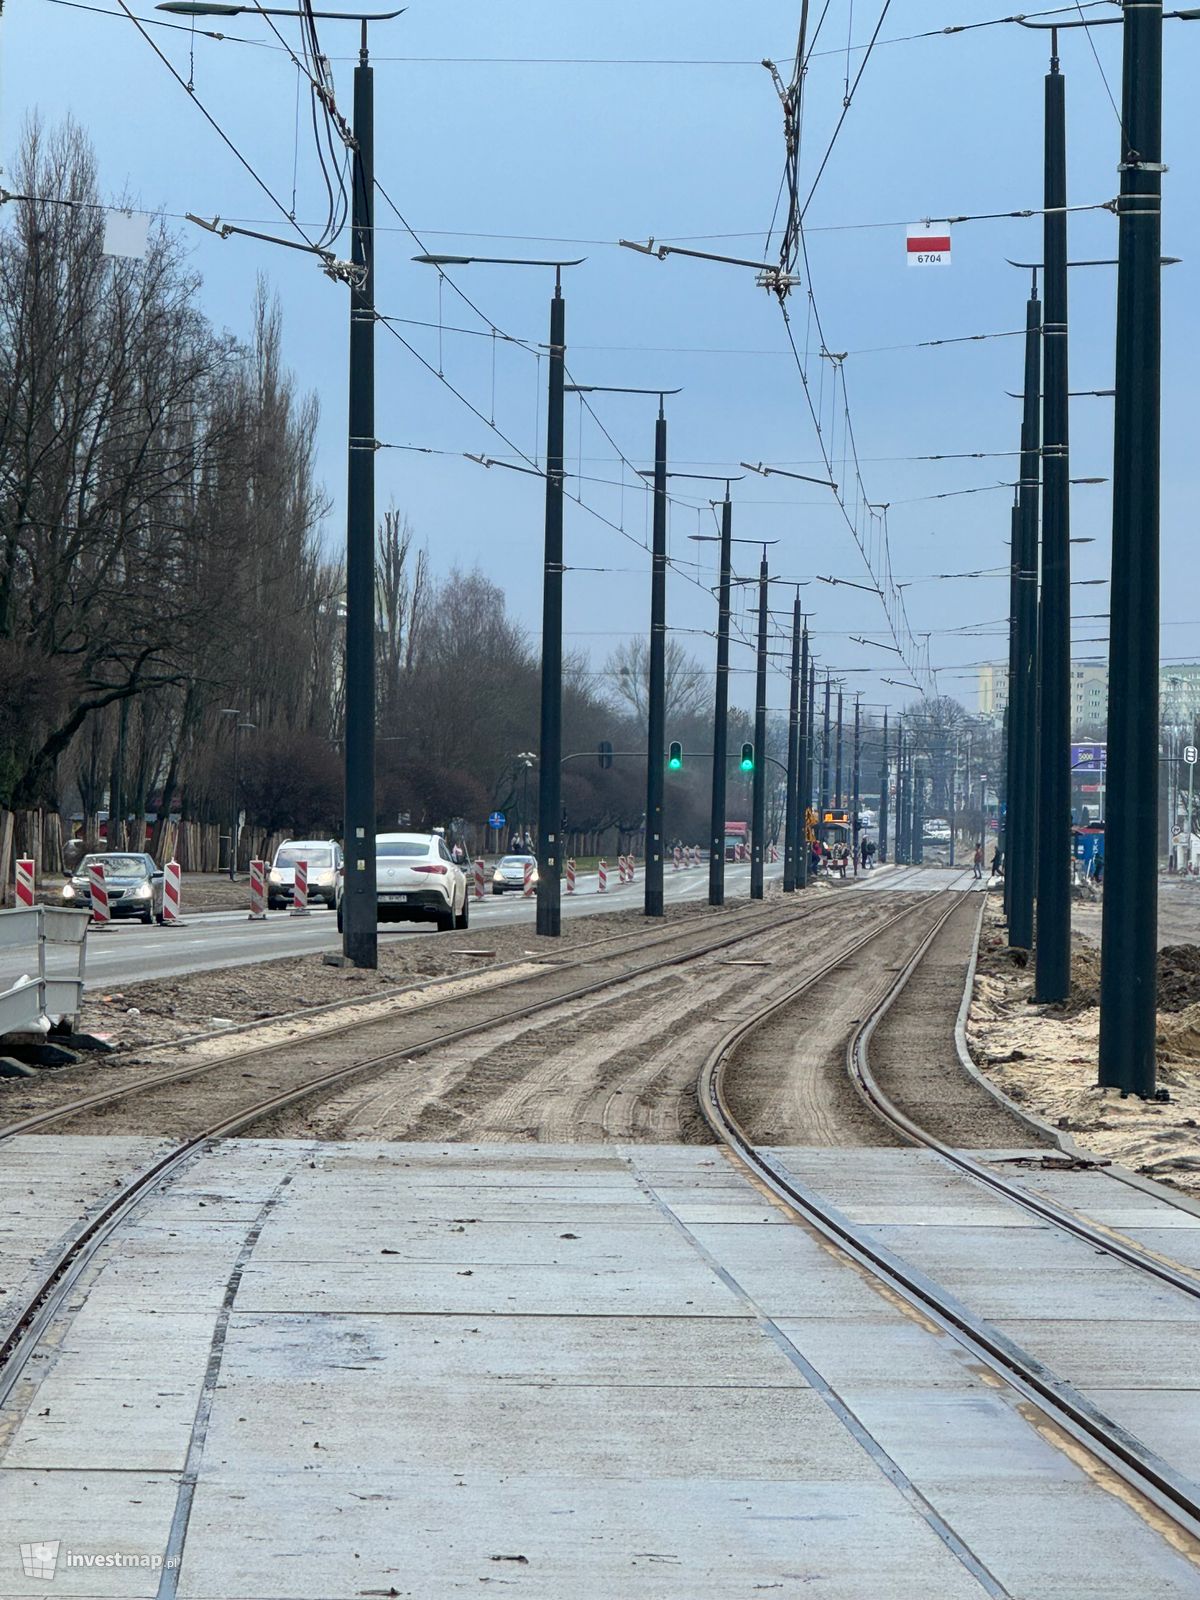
[340,1370]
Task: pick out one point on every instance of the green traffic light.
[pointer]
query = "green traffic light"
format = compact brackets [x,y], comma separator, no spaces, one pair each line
[675,758]
[747,758]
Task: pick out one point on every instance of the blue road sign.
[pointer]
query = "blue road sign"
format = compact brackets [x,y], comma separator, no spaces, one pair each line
[496,820]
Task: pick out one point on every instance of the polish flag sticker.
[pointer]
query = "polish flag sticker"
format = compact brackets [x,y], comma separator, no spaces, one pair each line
[926,247]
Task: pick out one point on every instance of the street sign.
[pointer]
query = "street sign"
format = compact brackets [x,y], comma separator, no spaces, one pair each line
[1189,754]
[496,820]
[1089,757]
[926,246]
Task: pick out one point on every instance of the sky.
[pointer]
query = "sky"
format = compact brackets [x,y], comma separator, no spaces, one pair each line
[546,130]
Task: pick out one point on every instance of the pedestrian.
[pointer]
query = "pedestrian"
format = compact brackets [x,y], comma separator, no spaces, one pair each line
[997,862]
[864,851]
[815,858]
[979,860]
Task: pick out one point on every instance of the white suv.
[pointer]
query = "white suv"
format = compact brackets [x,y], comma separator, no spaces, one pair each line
[417,880]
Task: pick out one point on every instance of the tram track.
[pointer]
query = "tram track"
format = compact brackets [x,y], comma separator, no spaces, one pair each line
[1113,1448]
[74,1255]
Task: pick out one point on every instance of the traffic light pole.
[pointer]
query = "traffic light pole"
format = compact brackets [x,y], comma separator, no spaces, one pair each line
[1052,979]
[360,906]
[883,794]
[1128,953]
[716,826]
[759,794]
[793,758]
[838,798]
[656,721]
[1020,865]
[549,886]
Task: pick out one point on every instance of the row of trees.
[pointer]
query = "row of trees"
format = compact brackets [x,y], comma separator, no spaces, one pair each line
[163,566]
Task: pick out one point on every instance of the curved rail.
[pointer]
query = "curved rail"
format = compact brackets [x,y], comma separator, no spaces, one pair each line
[1139,1468]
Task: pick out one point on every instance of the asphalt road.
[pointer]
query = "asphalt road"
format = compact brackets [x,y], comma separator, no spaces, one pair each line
[127,952]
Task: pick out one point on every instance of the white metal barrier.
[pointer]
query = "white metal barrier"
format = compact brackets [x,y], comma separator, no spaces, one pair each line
[33,1001]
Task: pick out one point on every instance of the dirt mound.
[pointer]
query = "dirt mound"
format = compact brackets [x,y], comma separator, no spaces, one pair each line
[1178,977]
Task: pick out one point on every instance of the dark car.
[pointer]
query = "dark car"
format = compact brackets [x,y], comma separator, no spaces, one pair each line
[134,883]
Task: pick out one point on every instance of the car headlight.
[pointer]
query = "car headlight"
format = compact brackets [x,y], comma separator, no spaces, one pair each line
[274,876]
[143,891]
[497,876]
[68,891]
[325,878]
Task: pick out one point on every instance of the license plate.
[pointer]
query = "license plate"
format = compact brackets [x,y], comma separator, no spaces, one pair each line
[394,899]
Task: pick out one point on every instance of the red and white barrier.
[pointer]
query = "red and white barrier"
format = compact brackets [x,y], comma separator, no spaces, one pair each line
[300,892]
[528,891]
[623,868]
[25,877]
[101,914]
[602,875]
[695,855]
[774,853]
[571,876]
[741,852]
[258,891]
[676,859]
[479,878]
[630,864]
[172,893]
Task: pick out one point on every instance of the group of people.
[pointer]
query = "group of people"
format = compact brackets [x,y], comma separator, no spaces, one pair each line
[839,855]
[997,861]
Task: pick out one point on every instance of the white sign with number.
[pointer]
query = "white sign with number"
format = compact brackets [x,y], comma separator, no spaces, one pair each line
[927,245]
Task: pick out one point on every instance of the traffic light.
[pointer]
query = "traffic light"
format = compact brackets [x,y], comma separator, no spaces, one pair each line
[747,758]
[605,753]
[675,758]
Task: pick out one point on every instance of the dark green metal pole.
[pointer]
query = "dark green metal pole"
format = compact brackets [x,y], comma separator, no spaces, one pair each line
[657,719]
[549,886]
[1011,723]
[837,782]
[716,821]
[826,749]
[883,793]
[360,908]
[804,765]
[1022,826]
[901,797]
[1052,979]
[759,793]
[1128,953]
[918,816]
[793,757]
[857,778]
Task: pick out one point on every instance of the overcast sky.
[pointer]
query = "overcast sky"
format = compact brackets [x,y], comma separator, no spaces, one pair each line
[624,134]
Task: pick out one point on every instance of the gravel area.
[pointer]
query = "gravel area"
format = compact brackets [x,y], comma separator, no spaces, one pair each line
[914,1059]
[161,1010]
[1045,1059]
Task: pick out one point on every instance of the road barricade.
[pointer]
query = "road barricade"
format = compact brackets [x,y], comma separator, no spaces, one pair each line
[621,871]
[528,890]
[26,873]
[676,859]
[258,891]
[300,892]
[571,876]
[172,894]
[33,1004]
[479,878]
[630,864]
[98,888]
[601,876]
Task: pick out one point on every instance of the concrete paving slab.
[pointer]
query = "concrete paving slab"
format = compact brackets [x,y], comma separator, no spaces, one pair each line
[690,1289]
[111,1424]
[1064,1542]
[1166,1419]
[626,1352]
[90,1514]
[629,1539]
[885,1351]
[1109,1354]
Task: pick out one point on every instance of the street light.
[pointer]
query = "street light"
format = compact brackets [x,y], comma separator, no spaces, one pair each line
[360,909]
[234,826]
[549,890]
